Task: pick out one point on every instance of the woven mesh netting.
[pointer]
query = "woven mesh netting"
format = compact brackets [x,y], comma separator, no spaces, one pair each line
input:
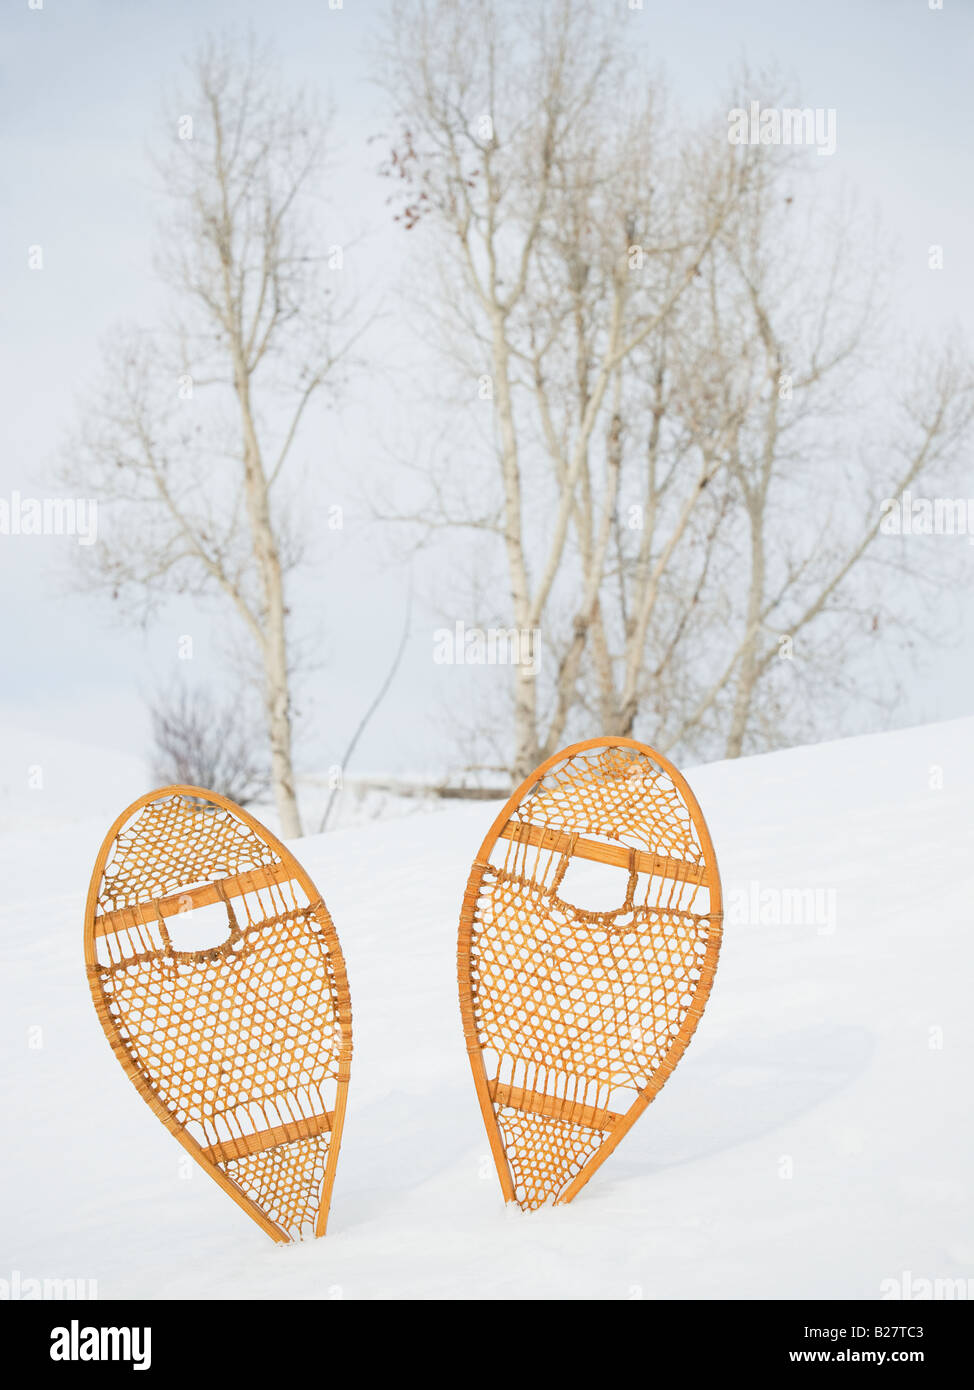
[281,1187]
[239,1039]
[621,795]
[174,843]
[584,1006]
[542,1151]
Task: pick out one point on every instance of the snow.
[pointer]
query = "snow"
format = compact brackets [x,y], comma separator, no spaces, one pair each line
[815,1141]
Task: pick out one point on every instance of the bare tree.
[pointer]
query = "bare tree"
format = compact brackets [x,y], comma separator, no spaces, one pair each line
[811,436]
[523,150]
[200,742]
[681,470]
[197,421]
[648,207]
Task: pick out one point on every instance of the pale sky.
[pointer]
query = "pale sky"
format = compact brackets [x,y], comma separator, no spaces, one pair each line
[83,92]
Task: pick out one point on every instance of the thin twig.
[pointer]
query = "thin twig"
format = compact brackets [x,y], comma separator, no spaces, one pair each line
[374,705]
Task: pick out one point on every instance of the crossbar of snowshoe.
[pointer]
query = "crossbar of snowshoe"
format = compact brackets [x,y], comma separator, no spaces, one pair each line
[247,1144]
[249,881]
[644,861]
[552,1107]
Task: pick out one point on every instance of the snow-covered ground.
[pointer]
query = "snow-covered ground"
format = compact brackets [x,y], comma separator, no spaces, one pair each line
[815,1140]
